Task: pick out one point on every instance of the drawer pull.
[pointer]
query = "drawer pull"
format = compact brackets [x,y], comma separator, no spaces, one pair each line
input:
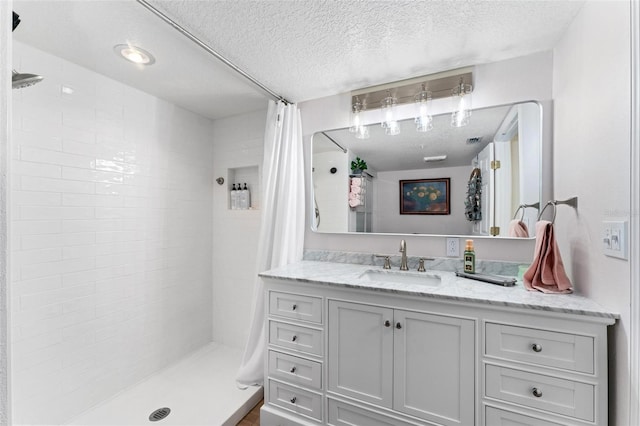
[293,369]
[387,323]
[536,347]
[294,307]
[536,392]
[293,400]
[294,338]
[398,325]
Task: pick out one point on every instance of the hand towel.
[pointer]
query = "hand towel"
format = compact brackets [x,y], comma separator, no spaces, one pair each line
[517,228]
[356,181]
[353,196]
[354,202]
[356,189]
[546,273]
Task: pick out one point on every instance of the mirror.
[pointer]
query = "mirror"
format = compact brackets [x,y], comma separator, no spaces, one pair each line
[469,180]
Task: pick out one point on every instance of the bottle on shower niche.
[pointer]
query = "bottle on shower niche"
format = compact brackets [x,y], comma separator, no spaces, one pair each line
[240,198]
[246,197]
[234,197]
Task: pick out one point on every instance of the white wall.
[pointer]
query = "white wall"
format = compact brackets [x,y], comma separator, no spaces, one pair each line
[111,223]
[387,217]
[591,88]
[5,135]
[515,80]
[238,144]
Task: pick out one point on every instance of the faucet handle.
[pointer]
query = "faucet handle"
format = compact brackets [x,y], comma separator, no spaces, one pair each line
[387,261]
[421,265]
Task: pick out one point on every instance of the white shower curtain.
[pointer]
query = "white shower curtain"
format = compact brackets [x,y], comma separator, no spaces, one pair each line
[282,224]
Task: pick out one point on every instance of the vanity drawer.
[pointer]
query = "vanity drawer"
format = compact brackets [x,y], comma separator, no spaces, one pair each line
[555,395]
[294,399]
[542,347]
[296,306]
[343,414]
[296,337]
[293,369]
[497,417]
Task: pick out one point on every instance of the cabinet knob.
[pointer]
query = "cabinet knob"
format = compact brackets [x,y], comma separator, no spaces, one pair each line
[536,347]
[294,338]
[537,393]
[293,400]
[387,323]
[398,325]
[294,307]
[293,369]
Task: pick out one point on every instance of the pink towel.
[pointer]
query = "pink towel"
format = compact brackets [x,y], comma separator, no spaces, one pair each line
[546,273]
[518,229]
[356,189]
[353,196]
[356,181]
[354,202]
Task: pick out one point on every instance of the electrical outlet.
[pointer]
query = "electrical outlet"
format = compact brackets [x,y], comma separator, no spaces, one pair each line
[453,247]
[614,239]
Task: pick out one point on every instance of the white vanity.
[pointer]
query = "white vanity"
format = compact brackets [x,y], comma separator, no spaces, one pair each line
[346,349]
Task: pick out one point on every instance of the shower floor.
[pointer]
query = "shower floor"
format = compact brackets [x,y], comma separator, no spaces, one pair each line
[200,390]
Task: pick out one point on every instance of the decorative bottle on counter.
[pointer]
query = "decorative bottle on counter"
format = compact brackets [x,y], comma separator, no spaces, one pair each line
[234,197]
[469,258]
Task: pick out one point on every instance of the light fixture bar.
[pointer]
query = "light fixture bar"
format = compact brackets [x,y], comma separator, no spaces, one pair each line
[439,85]
[210,50]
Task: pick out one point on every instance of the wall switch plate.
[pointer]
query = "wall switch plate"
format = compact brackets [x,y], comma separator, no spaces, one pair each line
[453,247]
[614,239]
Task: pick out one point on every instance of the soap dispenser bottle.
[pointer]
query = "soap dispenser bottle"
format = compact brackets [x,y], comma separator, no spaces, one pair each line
[234,197]
[469,258]
[246,197]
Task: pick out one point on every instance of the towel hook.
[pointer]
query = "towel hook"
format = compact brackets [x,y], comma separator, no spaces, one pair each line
[573,202]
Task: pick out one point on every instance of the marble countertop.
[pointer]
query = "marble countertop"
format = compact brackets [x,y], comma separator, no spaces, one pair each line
[451,287]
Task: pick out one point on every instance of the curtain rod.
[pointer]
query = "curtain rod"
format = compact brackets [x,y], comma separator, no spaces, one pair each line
[217,55]
[336,143]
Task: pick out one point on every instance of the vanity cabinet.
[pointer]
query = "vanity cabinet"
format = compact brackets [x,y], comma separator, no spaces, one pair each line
[415,363]
[345,356]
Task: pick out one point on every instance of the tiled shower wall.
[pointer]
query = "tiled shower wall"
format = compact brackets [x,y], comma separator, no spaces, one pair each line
[111,208]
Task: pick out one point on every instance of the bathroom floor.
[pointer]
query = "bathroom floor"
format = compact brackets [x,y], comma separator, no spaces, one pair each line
[199,390]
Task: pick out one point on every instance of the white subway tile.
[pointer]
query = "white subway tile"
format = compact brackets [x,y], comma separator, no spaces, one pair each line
[29,183]
[35,169]
[37,285]
[44,213]
[92,175]
[53,268]
[34,198]
[25,257]
[78,135]
[92,200]
[30,301]
[38,155]
[34,227]
[38,139]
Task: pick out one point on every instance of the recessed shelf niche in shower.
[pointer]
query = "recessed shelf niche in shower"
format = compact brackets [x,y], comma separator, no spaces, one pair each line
[241,175]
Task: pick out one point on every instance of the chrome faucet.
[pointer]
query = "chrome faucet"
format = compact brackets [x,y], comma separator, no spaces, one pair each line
[403,261]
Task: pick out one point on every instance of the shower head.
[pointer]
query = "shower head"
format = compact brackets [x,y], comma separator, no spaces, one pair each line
[20,81]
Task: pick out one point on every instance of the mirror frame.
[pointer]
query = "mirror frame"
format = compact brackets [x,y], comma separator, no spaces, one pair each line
[544,151]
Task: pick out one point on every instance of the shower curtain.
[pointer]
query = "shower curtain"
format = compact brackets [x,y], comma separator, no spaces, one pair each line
[282,224]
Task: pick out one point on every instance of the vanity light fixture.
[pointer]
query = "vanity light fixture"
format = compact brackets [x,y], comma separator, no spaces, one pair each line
[424,121]
[389,121]
[461,99]
[441,86]
[361,131]
[134,54]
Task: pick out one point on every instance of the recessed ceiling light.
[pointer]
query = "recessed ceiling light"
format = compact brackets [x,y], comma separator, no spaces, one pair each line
[134,54]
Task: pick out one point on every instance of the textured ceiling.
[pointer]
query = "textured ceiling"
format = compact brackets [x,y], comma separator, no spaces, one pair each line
[302,49]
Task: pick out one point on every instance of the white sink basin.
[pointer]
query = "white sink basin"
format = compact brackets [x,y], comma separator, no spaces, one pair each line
[401,277]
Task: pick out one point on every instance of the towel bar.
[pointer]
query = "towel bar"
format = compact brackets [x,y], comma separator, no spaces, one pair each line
[524,206]
[573,202]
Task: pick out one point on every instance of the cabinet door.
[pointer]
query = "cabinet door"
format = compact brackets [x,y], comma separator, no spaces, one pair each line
[361,352]
[434,372]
